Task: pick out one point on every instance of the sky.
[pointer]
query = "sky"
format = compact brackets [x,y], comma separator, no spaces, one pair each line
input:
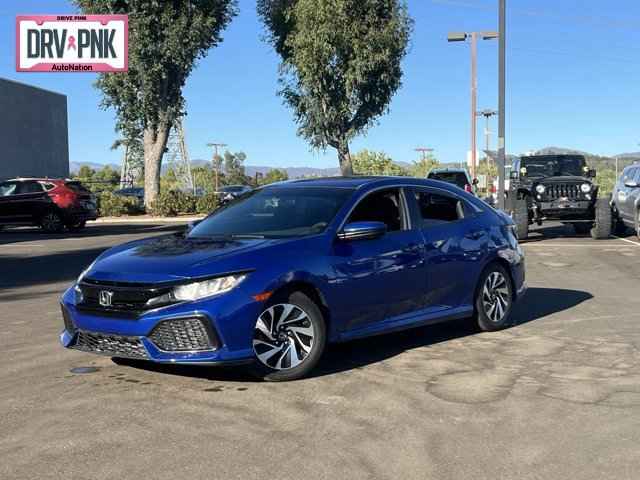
[573,75]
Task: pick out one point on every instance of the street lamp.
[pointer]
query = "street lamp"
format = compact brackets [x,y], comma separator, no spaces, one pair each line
[487,114]
[473,38]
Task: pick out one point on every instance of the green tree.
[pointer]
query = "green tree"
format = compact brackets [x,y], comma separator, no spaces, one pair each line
[274,175]
[104,180]
[340,64]
[366,162]
[234,168]
[422,167]
[166,38]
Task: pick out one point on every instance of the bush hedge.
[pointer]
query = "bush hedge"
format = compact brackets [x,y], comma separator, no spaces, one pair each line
[207,203]
[173,202]
[110,205]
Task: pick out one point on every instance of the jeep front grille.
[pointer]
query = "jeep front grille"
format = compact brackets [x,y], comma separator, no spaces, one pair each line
[562,190]
[183,334]
[112,345]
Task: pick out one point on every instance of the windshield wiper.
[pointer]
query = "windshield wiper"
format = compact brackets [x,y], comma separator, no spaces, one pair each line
[246,235]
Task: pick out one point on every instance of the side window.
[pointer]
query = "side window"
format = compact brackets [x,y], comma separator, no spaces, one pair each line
[436,209]
[383,206]
[7,189]
[636,175]
[48,186]
[30,187]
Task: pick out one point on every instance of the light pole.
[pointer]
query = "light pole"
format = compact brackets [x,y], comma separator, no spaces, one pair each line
[502,27]
[487,114]
[423,152]
[214,161]
[473,38]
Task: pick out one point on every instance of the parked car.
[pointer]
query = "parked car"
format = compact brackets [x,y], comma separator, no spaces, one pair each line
[52,204]
[558,187]
[273,277]
[625,199]
[455,176]
[134,192]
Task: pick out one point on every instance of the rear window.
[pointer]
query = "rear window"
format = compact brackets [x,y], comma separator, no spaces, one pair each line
[456,178]
[77,187]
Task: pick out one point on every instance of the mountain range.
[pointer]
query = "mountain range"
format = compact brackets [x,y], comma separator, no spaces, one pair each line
[298,172]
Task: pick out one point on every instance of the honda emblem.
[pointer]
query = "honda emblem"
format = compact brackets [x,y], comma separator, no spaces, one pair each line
[105,298]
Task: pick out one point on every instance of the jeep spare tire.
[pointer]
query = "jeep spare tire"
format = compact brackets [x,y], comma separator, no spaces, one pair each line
[603,221]
[521,218]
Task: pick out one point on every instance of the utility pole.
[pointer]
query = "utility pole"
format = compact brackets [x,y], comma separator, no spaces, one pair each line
[473,37]
[502,28]
[215,163]
[487,114]
[423,152]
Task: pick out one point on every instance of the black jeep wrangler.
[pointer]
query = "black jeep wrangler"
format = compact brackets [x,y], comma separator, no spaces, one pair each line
[558,187]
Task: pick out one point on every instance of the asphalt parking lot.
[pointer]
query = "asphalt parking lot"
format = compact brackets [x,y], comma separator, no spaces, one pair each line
[555,397]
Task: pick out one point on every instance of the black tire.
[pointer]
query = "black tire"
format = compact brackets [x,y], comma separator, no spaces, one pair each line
[603,221]
[501,298]
[521,218]
[76,227]
[269,372]
[582,228]
[51,222]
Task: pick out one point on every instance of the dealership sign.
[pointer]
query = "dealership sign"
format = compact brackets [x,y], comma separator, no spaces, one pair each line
[72,43]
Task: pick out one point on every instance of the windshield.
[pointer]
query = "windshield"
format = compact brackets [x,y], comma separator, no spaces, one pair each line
[275,213]
[456,178]
[553,166]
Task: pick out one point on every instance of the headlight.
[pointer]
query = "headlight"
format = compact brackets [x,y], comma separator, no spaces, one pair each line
[198,290]
[540,189]
[585,187]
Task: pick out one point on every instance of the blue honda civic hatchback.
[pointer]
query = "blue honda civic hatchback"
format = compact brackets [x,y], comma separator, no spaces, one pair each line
[274,276]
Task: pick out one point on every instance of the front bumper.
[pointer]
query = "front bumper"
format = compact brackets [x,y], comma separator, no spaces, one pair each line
[565,210]
[213,331]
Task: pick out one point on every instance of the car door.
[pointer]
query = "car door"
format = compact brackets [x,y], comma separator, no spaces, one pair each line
[623,202]
[456,243]
[384,277]
[7,193]
[31,201]
[633,198]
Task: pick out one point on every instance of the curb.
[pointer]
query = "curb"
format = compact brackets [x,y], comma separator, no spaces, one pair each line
[143,219]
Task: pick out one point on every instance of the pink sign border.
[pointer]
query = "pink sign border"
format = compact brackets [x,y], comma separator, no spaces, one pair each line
[46,67]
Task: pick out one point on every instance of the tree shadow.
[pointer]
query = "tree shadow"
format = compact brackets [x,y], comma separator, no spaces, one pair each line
[536,304]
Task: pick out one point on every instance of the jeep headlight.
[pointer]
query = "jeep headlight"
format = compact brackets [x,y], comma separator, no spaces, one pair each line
[585,187]
[540,189]
[198,290]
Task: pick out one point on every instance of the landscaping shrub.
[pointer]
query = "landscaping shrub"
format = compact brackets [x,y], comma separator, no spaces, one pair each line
[207,203]
[173,202]
[110,205]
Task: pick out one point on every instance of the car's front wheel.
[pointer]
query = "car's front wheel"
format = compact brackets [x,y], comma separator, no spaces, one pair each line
[494,298]
[288,338]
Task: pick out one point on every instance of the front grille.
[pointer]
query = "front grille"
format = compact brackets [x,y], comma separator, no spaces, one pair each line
[562,190]
[128,299]
[183,334]
[112,345]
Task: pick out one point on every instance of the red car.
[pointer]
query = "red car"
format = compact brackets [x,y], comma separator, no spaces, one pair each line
[52,204]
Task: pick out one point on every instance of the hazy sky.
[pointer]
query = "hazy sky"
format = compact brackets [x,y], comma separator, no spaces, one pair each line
[573,81]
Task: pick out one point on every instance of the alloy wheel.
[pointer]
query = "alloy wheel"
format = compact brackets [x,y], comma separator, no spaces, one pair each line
[51,222]
[495,296]
[283,336]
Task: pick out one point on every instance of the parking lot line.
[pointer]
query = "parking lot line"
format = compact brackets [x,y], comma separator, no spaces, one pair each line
[627,240]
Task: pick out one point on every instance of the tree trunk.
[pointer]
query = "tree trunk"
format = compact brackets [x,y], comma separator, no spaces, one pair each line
[344,157]
[155,141]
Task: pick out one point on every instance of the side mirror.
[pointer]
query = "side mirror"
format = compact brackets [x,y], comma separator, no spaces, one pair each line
[631,184]
[591,173]
[362,231]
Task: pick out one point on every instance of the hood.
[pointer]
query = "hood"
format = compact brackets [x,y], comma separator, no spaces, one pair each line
[172,257]
[561,179]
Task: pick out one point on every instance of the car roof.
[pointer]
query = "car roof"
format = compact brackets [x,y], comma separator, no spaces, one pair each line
[37,179]
[361,182]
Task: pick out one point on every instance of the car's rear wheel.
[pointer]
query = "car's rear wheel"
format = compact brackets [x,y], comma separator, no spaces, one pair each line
[494,298]
[288,339]
[76,227]
[603,221]
[51,222]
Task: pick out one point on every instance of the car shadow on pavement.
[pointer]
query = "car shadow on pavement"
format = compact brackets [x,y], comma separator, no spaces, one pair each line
[537,303]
